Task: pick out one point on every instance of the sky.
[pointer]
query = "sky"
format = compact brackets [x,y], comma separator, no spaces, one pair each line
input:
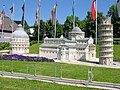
[64,9]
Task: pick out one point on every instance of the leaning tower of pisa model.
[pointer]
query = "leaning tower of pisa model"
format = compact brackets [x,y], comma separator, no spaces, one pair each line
[106,42]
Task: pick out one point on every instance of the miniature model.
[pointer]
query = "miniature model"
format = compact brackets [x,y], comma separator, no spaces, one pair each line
[76,48]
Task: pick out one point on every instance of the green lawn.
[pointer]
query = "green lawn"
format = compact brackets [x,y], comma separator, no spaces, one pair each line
[34,49]
[116,52]
[68,70]
[24,84]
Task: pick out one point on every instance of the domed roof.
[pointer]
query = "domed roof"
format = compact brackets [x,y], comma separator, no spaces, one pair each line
[76,29]
[20,33]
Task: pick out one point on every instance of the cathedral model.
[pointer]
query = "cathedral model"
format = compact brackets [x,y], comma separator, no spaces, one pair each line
[106,42]
[19,43]
[77,47]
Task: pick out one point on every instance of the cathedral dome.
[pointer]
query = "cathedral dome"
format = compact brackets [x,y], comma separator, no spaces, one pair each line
[76,29]
[20,33]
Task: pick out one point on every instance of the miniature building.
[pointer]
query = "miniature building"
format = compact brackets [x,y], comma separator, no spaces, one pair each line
[106,42]
[76,48]
[19,41]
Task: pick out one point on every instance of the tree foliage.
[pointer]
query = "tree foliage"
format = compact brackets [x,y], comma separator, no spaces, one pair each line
[90,25]
[68,25]
[47,29]
[41,30]
[115,21]
[87,25]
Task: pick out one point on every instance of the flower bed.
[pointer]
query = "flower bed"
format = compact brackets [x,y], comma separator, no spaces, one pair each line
[27,58]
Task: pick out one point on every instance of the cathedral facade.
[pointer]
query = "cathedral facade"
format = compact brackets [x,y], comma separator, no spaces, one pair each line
[77,47]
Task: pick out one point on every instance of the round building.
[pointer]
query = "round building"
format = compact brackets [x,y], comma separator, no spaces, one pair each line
[106,42]
[76,33]
[19,41]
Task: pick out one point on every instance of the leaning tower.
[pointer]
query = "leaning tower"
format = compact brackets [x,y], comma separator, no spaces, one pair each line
[106,42]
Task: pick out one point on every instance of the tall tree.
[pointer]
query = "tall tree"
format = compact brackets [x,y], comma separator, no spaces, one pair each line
[59,28]
[115,21]
[68,25]
[90,24]
[50,29]
[42,29]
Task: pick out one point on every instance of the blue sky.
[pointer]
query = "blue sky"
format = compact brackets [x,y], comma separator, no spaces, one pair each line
[64,8]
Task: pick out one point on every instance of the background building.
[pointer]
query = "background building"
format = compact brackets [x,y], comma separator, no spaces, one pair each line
[7,29]
[106,42]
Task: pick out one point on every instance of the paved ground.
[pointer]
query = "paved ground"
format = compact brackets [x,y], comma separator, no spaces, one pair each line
[115,64]
[65,81]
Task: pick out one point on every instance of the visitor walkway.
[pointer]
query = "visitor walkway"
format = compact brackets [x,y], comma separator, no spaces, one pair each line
[66,81]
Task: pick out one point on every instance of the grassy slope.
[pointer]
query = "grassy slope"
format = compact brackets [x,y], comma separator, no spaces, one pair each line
[34,49]
[24,84]
[68,70]
[117,52]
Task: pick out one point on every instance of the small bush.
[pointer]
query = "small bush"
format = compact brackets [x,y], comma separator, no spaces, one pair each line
[4,46]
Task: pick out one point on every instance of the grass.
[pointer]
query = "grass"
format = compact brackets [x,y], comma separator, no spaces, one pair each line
[68,70]
[97,51]
[116,52]
[24,84]
[34,49]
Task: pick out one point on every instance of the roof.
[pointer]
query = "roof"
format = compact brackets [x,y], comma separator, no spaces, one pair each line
[76,29]
[56,39]
[64,39]
[81,45]
[20,33]
[8,24]
[83,39]
[49,45]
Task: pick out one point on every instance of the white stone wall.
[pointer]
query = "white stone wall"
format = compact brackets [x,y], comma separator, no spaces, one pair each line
[48,52]
[6,37]
[76,35]
[106,42]
[92,53]
[19,45]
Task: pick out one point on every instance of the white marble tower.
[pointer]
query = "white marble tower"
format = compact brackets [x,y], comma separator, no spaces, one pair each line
[106,42]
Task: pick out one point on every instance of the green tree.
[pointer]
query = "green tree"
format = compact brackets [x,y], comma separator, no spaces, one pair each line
[26,27]
[49,29]
[90,24]
[68,25]
[42,29]
[59,28]
[115,21]
[82,25]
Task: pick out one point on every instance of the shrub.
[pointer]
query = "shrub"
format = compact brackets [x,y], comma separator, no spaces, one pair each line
[4,45]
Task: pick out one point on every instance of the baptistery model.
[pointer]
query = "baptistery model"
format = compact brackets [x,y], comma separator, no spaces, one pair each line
[19,41]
